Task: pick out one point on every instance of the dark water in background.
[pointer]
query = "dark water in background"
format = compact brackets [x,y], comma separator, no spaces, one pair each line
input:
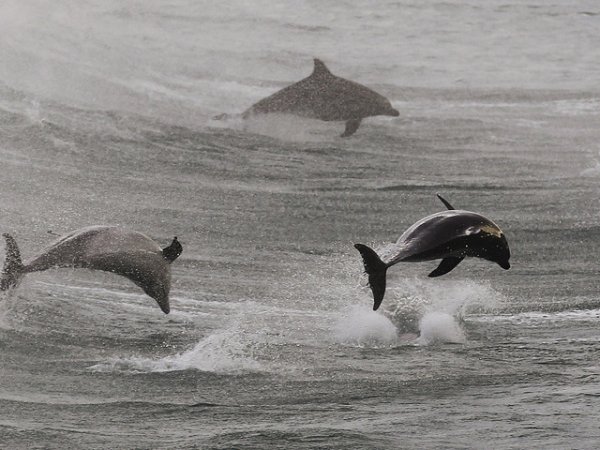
[105,119]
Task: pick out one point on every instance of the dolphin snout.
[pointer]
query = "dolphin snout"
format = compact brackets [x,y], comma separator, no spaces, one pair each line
[163,302]
[504,264]
[394,112]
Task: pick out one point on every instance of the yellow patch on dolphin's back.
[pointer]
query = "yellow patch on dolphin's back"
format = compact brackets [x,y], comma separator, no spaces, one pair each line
[491,229]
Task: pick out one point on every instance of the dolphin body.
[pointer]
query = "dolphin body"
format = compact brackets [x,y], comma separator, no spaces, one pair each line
[448,235]
[327,97]
[111,249]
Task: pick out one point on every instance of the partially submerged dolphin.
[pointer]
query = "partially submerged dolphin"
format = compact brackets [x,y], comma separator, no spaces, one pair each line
[324,96]
[450,235]
[111,249]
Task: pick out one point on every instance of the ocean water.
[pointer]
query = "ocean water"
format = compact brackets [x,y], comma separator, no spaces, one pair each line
[106,118]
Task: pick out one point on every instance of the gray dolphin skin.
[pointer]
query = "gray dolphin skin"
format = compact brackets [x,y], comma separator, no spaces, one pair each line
[448,235]
[107,248]
[327,97]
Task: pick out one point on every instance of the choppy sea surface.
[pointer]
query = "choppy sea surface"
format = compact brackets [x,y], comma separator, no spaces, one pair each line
[105,118]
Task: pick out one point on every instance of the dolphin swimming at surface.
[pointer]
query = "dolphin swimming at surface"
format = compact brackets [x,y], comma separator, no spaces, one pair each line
[327,97]
[448,235]
[111,249]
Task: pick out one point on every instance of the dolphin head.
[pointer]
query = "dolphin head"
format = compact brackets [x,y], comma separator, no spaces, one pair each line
[494,247]
[159,292]
[164,304]
[156,282]
[390,111]
[383,107]
[501,252]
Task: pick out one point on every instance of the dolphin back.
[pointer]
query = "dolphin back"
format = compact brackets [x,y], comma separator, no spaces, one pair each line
[436,231]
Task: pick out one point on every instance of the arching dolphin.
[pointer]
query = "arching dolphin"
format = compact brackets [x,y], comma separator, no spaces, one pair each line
[324,96]
[111,249]
[450,235]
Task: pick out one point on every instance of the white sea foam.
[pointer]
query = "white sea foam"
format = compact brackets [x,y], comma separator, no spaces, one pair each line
[578,107]
[537,317]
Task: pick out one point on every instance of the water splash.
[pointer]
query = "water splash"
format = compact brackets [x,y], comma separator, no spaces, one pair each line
[223,352]
[456,297]
[436,327]
[435,310]
[362,326]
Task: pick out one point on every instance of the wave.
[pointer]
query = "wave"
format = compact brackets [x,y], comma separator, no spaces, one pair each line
[535,317]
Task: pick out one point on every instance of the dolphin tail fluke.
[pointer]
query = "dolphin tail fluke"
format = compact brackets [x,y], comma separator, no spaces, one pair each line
[13,268]
[172,252]
[376,269]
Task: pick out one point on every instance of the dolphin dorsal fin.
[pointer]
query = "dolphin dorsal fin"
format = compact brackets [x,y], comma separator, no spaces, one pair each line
[320,69]
[445,202]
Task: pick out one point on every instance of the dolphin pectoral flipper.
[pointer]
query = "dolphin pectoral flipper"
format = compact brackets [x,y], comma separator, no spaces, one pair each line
[445,202]
[446,266]
[351,127]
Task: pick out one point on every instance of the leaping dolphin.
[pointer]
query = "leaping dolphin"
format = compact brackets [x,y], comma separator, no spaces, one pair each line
[448,235]
[111,249]
[327,97]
